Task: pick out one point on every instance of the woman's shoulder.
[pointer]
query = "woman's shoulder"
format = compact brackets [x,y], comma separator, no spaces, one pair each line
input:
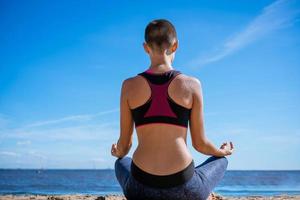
[186,79]
[189,77]
[192,83]
[189,80]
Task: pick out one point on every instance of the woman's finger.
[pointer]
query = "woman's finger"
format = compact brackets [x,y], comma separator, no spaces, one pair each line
[231,145]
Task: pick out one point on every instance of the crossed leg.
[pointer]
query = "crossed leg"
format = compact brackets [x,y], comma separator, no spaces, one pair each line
[122,170]
[211,171]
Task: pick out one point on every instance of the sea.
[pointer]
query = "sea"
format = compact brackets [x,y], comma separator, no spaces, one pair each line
[103,181]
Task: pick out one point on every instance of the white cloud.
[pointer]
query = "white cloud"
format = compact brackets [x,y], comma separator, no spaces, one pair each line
[85,117]
[278,15]
[101,132]
[37,132]
[3,120]
[8,153]
[24,142]
[93,141]
[36,154]
[98,159]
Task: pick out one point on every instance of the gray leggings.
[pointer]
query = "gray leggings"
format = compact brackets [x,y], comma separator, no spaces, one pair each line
[205,178]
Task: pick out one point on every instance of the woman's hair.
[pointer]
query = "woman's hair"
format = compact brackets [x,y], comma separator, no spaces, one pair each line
[160,34]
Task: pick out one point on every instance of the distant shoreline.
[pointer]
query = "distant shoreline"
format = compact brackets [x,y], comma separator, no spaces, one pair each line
[41,169]
[121,197]
[99,183]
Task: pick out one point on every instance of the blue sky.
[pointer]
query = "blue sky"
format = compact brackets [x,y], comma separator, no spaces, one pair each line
[62,65]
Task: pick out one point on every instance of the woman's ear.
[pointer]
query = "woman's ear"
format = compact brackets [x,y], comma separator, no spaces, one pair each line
[146,48]
[172,49]
[175,46]
[168,52]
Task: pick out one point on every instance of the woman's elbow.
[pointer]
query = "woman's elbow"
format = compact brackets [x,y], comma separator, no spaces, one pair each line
[200,146]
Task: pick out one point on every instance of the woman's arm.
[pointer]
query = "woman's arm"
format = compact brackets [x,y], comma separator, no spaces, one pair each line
[199,140]
[126,124]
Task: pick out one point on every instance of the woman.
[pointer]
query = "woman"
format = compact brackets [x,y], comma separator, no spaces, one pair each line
[161,102]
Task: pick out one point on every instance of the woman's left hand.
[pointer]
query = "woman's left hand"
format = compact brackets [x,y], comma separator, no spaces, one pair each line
[115,151]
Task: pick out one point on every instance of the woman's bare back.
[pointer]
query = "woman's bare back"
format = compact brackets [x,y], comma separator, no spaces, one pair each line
[161,148]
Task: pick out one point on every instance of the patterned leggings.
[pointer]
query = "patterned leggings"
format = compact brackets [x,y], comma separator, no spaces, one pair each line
[206,176]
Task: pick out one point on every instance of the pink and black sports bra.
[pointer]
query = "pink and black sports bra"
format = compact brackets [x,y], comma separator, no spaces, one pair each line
[160,107]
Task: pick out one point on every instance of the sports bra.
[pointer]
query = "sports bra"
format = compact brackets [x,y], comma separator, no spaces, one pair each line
[160,107]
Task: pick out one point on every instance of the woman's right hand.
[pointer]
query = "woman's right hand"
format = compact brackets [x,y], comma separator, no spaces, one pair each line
[226,148]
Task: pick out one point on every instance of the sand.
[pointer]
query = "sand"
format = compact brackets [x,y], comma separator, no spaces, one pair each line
[121,197]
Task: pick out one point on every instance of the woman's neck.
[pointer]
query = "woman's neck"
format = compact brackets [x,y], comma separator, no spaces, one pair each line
[161,63]
[160,68]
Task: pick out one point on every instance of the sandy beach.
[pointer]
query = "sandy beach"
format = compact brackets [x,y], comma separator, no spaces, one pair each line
[121,197]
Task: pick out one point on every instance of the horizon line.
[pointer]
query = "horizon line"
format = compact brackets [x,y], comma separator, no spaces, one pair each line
[41,169]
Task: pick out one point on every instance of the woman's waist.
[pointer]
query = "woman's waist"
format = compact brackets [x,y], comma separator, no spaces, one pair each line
[169,179]
[162,162]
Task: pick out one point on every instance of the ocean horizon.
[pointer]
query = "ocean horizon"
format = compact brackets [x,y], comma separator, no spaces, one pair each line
[103,181]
